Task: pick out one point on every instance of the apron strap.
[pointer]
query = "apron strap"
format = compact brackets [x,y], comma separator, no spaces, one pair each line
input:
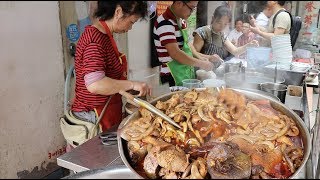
[114,45]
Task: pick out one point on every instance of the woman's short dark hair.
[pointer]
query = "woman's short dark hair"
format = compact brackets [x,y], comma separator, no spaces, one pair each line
[222,11]
[238,19]
[181,1]
[106,9]
[281,3]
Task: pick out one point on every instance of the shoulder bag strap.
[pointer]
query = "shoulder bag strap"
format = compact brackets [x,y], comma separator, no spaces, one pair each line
[103,110]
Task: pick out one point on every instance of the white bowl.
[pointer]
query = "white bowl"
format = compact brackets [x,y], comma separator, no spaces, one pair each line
[298,66]
[203,74]
[213,83]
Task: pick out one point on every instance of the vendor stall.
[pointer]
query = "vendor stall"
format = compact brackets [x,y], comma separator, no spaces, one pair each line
[298,97]
[94,155]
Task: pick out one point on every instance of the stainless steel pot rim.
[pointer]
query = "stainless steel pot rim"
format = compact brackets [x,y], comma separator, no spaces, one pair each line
[261,92]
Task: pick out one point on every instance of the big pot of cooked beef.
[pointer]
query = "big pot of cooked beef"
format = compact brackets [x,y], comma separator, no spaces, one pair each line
[227,134]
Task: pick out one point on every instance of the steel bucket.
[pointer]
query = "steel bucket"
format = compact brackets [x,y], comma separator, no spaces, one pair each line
[276,89]
[123,149]
[227,67]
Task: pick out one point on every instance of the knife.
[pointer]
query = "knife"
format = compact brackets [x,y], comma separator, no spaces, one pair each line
[149,106]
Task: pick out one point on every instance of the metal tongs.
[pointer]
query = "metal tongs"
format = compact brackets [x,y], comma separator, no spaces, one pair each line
[109,138]
[148,106]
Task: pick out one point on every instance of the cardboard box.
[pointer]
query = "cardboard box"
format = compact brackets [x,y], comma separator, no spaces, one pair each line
[316,57]
[294,97]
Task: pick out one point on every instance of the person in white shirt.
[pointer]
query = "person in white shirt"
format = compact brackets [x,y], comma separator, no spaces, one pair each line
[263,18]
[236,32]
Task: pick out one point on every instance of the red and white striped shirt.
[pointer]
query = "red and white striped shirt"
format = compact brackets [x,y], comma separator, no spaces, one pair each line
[243,40]
[166,30]
[94,59]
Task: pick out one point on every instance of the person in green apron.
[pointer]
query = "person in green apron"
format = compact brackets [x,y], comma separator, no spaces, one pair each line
[171,41]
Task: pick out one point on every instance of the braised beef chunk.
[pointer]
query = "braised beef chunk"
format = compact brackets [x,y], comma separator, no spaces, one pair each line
[173,158]
[226,161]
[150,164]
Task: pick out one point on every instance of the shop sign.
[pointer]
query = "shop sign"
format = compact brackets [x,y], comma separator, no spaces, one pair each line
[162,6]
[73,33]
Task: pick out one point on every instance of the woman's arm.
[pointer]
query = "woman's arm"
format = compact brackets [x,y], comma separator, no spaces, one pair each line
[239,50]
[108,86]
[198,42]
[197,54]
[95,80]
[196,47]
[180,56]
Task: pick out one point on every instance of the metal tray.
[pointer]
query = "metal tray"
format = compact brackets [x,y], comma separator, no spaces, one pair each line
[110,172]
[291,77]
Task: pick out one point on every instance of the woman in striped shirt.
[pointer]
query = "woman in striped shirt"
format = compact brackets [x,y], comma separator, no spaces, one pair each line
[101,70]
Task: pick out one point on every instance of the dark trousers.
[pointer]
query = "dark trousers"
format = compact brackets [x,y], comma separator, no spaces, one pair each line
[167,79]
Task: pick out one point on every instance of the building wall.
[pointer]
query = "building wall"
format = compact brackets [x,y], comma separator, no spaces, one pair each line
[31,91]
[310,32]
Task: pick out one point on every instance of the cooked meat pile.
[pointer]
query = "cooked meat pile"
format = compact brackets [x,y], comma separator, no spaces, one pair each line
[224,135]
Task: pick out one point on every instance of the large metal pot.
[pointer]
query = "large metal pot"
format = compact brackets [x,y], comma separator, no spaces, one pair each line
[262,93]
[122,144]
[249,80]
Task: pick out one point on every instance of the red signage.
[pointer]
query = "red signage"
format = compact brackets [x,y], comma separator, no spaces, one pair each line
[162,6]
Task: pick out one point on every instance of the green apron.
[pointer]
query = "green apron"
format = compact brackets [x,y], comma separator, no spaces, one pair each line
[180,71]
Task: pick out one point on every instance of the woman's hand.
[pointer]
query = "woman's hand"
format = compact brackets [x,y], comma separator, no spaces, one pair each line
[142,87]
[206,65]
[253,22]
[255,29]
[215,58]
[253,43]
[253,26]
